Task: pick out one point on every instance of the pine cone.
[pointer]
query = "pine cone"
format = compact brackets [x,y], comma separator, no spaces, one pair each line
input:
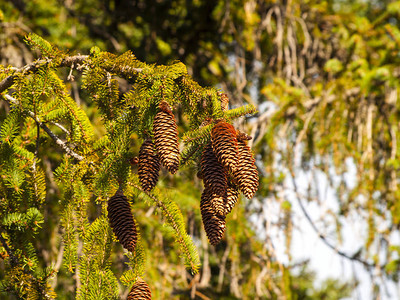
[217,202]
[224,144]
[140,291]
[232,196]
[214,225]
[149,166]
[246,173]
[224,101]
[213,173]
[166,137]
[122,221]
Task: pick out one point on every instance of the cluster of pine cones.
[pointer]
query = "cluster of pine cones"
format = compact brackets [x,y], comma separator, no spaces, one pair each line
[226,167]
[119,211]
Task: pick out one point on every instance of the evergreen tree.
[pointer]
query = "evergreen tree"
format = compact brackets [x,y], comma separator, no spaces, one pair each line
[324,77]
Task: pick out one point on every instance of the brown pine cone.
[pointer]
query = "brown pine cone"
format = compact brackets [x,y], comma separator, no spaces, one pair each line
[140,291]
[224,102]
[232,196]
[214,225]
[166,137]
[149,166]
[217,202]
[213,173]
[224,144]
[246,174]
[122,221]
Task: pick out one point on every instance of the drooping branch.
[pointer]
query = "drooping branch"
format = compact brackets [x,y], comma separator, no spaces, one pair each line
[55,138]
[352,257]
[176,223]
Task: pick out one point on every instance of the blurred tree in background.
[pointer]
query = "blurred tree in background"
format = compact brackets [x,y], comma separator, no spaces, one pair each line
[325,79]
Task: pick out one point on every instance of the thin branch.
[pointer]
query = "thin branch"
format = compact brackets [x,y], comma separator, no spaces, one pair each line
[67,61]
[352,257]
[34,66]
[55,138]
[60,126]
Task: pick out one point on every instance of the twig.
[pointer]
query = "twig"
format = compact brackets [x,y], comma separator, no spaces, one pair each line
[60,126]
[352,257]
[47,130]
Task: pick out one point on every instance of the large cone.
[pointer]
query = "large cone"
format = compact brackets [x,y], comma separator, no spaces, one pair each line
[224,144]
[214,225]
[212,171]
[122,221]
[140,291]
[149,165]
[166,137]
[246,174]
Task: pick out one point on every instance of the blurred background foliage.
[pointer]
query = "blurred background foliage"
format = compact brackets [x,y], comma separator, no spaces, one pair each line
[325,78]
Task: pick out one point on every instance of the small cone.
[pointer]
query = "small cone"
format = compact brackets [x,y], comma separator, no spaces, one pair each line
[140,291]
[149,166]
[122,221]
[224,102]
[246,174]
[214,225]
[224,144]
[212,171]
[166,137]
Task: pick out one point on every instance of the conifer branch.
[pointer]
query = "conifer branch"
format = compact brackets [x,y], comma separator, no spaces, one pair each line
[182,238]
[13,259]
[34,66]
[55,138]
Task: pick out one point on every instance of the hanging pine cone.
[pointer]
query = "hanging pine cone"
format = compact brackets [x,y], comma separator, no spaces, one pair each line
[232,196]
[166,137]
[214,225]
[213,173]
[217,202]
[224,144]
[149,165]
[246,174]
[122,221]
[224,101]
[140,291]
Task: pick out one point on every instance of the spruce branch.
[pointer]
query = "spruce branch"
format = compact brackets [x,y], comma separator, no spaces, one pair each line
[36,65]
[175,220]
[55,138]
